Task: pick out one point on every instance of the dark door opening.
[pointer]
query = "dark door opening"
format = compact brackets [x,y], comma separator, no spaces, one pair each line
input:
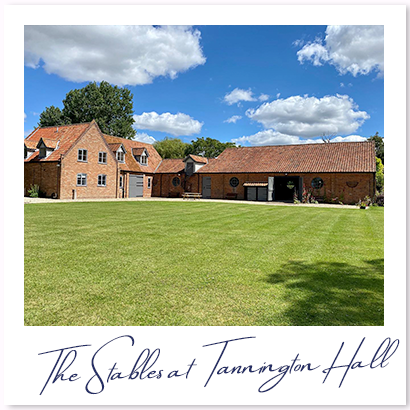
[286,187]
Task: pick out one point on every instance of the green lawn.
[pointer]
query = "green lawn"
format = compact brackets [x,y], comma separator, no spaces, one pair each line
[196,263]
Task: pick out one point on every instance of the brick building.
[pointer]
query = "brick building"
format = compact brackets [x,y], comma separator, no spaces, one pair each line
[78,161]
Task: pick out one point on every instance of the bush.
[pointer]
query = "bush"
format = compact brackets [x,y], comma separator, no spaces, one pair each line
[380,200]
[34,191]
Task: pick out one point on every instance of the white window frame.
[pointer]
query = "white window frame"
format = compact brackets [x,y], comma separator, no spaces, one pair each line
[83,179]
[149,184]
[102,180]
[82,155]
[120,153]
[104,157]
[143,159]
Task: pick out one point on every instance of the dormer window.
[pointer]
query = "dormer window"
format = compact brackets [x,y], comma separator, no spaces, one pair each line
[141,155]
[120,156]
[42,152]
[189,168]
[143,159]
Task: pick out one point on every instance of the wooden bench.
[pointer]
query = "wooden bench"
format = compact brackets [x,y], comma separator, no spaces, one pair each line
[191,195]
[231,195]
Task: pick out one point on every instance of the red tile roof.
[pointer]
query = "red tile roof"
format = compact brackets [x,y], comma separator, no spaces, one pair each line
[49,143]
[171,166]
[131,164]
[331,157]
[114,147]
[137,151]
[30,144]
[65,135]
[197,158]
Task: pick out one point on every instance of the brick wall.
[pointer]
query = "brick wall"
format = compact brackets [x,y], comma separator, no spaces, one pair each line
[44,174]
[164,187]
[334,185]
[70,167]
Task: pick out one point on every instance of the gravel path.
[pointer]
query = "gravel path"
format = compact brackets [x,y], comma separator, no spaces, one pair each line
[28,200]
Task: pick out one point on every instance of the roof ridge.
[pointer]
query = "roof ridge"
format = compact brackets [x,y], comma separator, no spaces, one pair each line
[303,145]
[64,125]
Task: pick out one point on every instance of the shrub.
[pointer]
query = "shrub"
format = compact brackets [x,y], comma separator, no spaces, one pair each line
[34,191]
[380,200]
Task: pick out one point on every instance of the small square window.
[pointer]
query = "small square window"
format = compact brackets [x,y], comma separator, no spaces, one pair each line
[102,180]
[143,160]
[81,179]
[149,183]
[82,155]
[102,157]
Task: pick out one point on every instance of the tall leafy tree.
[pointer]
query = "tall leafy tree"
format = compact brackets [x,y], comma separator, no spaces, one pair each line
[51,116]
[109,105]
[207,147]
[171,147]
[379,175]
[379,142]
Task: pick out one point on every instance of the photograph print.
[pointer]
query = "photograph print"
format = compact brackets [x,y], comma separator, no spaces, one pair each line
[215,175]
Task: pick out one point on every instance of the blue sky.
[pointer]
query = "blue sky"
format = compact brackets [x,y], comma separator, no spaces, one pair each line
[254,85]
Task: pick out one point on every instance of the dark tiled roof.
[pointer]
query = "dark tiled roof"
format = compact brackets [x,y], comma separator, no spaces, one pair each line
[306,158]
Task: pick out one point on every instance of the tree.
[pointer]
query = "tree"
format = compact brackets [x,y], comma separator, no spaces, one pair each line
[110,106]
[51,116]
[171,147]
[379,142]
[379,175]
[208,147]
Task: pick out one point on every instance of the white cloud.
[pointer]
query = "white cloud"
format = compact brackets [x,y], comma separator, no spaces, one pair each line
[309,117]
[143,137]
[357,50]
[121,55]
[350,138]
[175,124]
[238,95]
[263,97]
[342,85]
[271,137]
[233,119]
[25,116]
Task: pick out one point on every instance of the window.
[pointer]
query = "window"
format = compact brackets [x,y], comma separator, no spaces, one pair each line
[149,183]
[120,156]
[143,160]
[189,168]
[102,179]
[176,181]
[102,157]
[234,182]
[121,181]
[81,179]
[317,183]
[82,155]
[42,152]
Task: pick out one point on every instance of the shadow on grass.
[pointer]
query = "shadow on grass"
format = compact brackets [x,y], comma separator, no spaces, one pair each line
[331,293]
